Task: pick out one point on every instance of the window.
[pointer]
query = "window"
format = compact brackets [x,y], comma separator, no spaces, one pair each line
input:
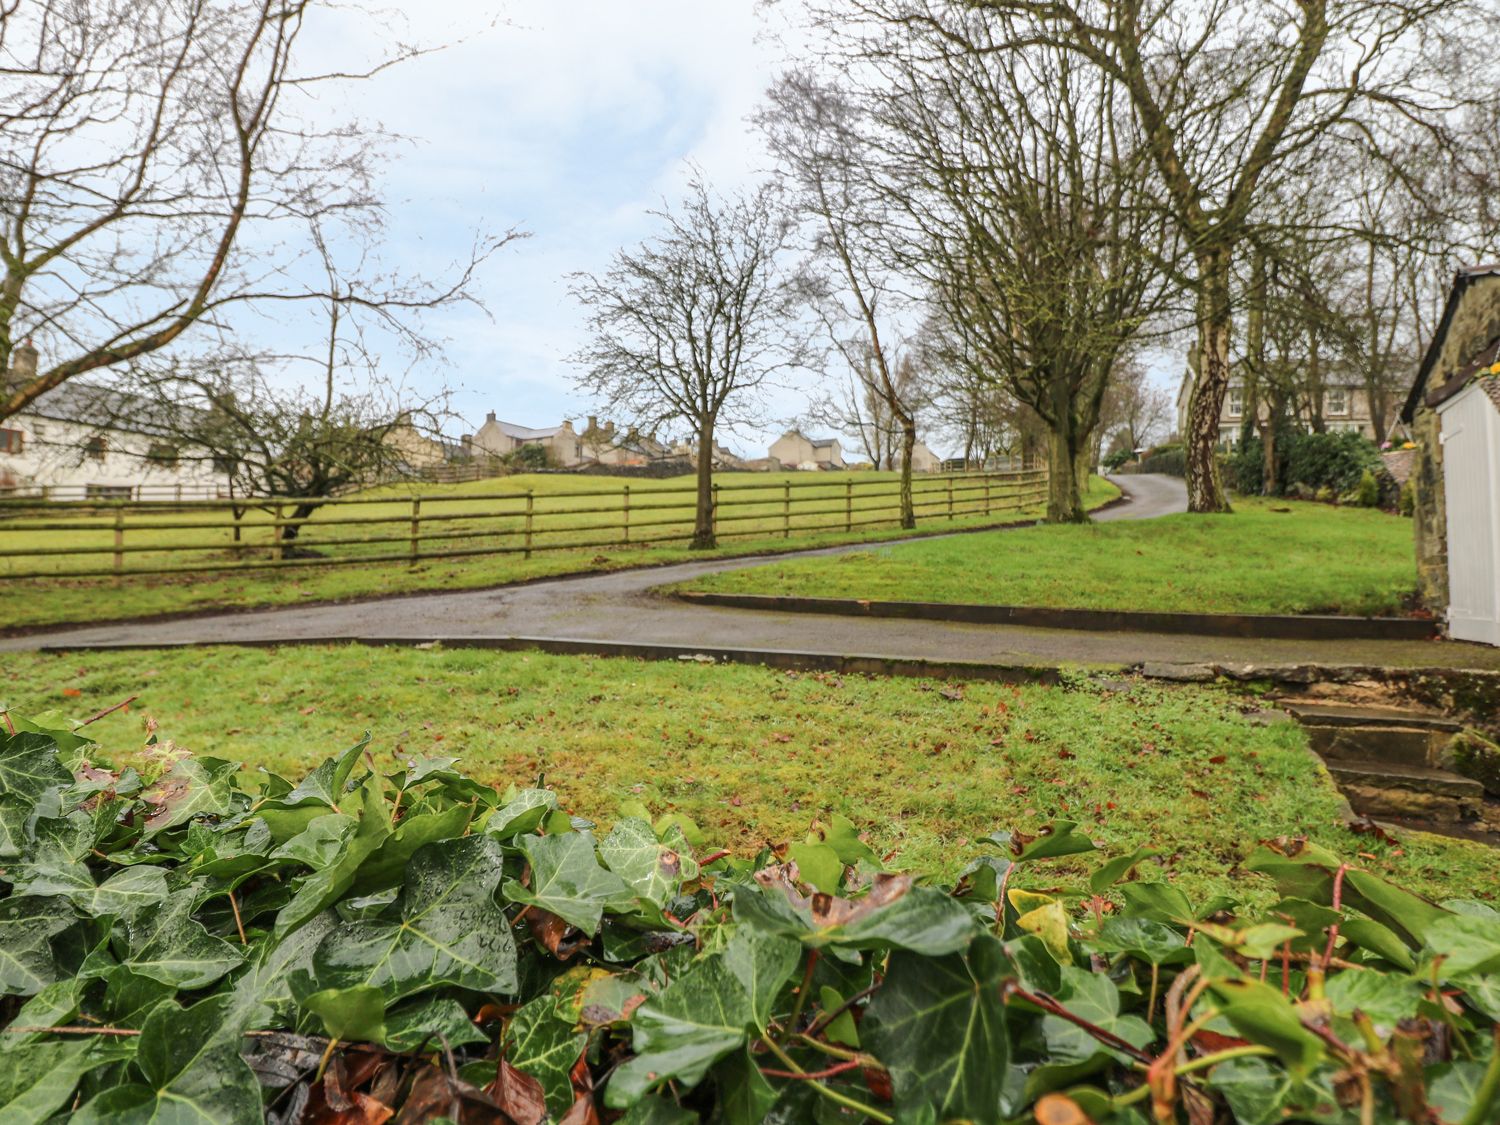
[1336,401]
[107,491]
[162,455]
[1236,405]
[95,448]
[11,441]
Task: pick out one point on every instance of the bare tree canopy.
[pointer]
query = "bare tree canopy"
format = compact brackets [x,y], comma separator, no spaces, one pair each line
[151,152]
[814,131]
[685,325]
[1237,98]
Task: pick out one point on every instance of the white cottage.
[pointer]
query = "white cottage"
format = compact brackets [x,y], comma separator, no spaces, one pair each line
[81,441]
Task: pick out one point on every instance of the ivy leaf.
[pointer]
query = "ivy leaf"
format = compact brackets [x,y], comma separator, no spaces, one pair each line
[430,1022]
[263,993]
[894,914]
[1263,1015]
[14,814]
[1152,942]
[190,1059]
[763,963]
[38,1079]
[523,813]
[567,880]
[320,843]
[451,932]
[696,1020]
[125,893]
[1071,1052]
[659,1111]
[27,927]
[192,787]
[387,866]
[1261,1094]
[938,1024]
[653,870]
[1110,873]
[322,888]
[1060,838]
[29,766]
[545,1046]
[1466,943]
[54,864]
[1454,1088]
[170,946]
[356,1013]
[745,1094]
[818,865]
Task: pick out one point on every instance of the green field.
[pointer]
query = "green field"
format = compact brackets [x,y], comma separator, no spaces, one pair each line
[1265,557]
[753,521]
[925,769]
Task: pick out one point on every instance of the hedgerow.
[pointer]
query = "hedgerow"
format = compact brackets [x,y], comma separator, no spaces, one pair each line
[206,944]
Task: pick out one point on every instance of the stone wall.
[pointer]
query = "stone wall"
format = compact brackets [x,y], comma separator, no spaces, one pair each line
[1429,515]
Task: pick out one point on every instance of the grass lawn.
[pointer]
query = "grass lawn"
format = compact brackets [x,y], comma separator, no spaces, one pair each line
[751,754]
[1268,556]
[55,601]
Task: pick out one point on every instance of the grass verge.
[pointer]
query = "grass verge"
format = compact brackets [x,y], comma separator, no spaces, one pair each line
[30,603]
[923,768]
[1265,557]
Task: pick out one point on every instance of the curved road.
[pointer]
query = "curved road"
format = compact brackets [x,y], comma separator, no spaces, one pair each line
[620,609]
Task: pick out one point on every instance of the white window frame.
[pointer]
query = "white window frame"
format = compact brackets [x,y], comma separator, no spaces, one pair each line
[1234,403]
[1328,408]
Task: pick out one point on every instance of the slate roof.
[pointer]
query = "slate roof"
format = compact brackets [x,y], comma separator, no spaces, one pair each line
[1461,282]
[526,433]
[89,404]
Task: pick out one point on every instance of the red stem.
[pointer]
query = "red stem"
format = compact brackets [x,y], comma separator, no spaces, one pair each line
[828,1072]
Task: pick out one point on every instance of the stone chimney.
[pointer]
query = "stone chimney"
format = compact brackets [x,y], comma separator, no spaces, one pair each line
[609,427]
[22,364]
[490,417]
[593,424]
[568,425]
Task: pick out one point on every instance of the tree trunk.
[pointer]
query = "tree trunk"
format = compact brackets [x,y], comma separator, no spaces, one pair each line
[1205,484]
[703,518]
[289,548]
[908,443]
[1066,445]
[1271,451]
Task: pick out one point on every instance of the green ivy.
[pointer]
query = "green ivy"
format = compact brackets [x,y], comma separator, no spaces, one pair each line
[205,946]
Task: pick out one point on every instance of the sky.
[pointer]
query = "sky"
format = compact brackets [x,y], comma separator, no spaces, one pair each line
[569,121]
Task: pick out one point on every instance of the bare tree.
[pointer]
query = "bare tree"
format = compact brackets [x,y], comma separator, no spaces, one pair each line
[813,130]
[1233,97]
[1134,409]
[145,146]
[690,322]
[1020,191]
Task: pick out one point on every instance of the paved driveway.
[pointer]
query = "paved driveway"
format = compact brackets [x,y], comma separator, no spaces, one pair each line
[620,608]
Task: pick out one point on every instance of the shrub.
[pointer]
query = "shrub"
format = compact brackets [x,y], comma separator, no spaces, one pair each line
[1169,459]
[1335,461]
[1118,458]
[1367,492]
[186,948]
[527,458]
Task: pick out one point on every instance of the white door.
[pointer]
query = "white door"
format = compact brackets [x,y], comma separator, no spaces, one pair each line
[1471,480]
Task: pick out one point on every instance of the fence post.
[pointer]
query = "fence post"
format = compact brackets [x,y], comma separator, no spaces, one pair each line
[627,515]
[416,527]
[987,479]
[713,513]
[786,509]
[119,543]
[848,505]
[276,529]
[530,511]
[950,499]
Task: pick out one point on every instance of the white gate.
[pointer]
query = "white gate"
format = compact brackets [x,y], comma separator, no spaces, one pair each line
[1471,481]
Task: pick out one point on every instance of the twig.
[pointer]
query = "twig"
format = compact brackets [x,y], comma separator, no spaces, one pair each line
[9,726]
[714,858]
[1047,1004]
[1338,905]
[828,1017]
[827,1091]
[109,711]
[811,1075]
[240,926]
[69,1031]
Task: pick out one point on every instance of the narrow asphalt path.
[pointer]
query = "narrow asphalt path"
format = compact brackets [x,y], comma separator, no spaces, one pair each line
[621,608]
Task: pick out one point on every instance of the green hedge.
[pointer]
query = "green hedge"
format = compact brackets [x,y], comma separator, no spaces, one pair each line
[203,945]
[1332,464]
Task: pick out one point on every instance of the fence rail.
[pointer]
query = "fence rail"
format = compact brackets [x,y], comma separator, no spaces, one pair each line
[43,540]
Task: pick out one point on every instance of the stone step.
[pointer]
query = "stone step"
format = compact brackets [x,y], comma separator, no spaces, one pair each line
[1415,747]
[1332,714]
[1413,779]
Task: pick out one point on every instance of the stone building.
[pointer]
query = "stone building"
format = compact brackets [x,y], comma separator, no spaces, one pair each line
[1464,348]
[495,439]
[1346,407]
[795,451]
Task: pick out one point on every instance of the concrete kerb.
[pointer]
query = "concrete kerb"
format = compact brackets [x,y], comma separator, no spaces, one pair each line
[871,664]
[1319,627]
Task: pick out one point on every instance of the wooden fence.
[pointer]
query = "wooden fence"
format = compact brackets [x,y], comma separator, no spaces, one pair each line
[46,540]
